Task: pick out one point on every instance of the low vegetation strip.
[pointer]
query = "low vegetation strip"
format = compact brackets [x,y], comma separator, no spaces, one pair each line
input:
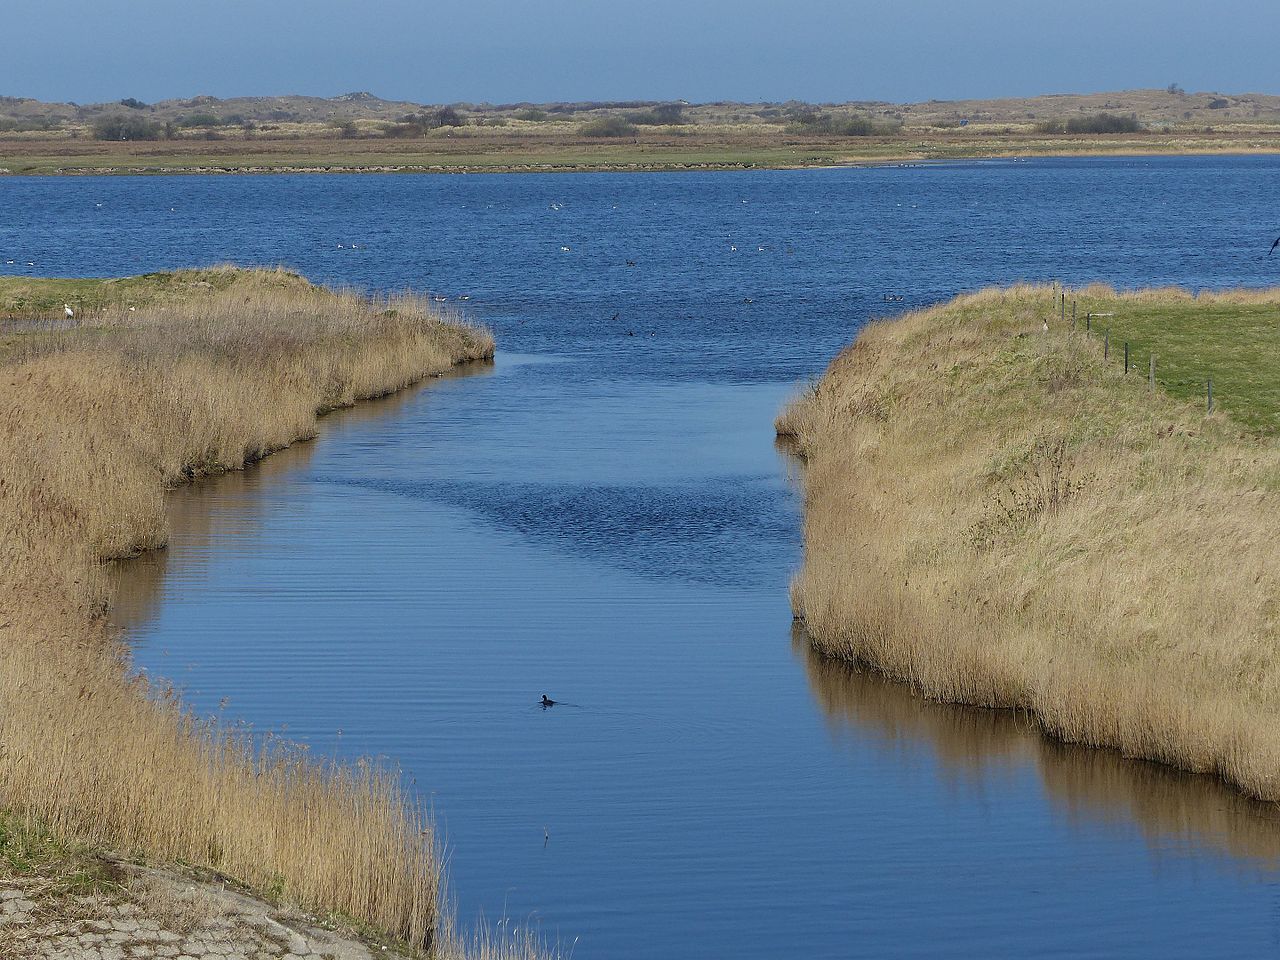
[149,382]
[1229,338]
[999,515]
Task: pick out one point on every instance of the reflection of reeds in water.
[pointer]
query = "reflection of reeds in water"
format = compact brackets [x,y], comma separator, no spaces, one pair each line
[232,505]
[137,583]
[93,427]
[1100,785]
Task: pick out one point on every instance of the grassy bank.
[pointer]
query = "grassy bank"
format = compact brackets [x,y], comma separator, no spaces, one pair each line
[1000,516]
[157,380]
[672,149]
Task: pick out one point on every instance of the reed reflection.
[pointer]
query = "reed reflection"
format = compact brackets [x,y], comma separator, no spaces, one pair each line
[1083,783]
[233,506]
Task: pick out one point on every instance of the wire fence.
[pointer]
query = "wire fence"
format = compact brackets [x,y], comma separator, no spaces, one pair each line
[1131,363]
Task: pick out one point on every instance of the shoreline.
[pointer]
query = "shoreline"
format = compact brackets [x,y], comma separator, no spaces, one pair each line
[611,159]
[120,766]
[962,535]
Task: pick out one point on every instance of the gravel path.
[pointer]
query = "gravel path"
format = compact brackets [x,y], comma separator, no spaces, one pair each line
[163,914]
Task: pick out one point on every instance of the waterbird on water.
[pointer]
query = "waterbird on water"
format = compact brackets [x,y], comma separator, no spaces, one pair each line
[546,702]
[1273,246]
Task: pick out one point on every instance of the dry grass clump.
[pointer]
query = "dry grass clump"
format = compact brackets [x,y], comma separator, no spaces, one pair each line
[93,428]
[998,517]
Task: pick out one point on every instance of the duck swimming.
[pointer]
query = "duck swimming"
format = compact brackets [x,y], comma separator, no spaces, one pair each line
[546,702]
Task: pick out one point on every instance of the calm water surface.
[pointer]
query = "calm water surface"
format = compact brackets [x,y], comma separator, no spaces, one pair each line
[603,516]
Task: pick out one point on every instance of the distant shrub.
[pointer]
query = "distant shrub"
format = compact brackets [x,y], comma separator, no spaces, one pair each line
[347,129]
[531,115]
[665,114]
[119,127]
[419,124]
[1103,123]
[1218,103]
[403,131]
[812,122]
[608,127]
[27,124]
[133,104]
[200,120]
[449,117]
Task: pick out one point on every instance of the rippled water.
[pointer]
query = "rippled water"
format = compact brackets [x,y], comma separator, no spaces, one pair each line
[603,516]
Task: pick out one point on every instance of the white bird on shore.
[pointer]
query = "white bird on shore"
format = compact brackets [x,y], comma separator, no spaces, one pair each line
[66,308]
[1045,326]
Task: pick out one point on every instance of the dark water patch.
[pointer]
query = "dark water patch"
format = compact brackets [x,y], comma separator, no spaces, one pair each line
[734,531]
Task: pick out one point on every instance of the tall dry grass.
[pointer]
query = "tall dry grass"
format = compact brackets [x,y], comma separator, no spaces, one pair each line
[997,516]
[93,427]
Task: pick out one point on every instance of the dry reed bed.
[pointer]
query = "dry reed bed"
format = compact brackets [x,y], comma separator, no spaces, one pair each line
[998,517]
[93,428]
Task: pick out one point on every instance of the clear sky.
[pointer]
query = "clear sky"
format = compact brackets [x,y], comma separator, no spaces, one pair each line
[511,50]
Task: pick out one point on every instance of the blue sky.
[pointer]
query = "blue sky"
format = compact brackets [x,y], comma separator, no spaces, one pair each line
[510,50]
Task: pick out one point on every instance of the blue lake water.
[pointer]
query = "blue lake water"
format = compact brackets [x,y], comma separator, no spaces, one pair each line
[603,516]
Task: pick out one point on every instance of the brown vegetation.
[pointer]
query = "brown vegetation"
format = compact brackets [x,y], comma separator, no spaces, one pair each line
[363,133]
[999,517]
[94,425]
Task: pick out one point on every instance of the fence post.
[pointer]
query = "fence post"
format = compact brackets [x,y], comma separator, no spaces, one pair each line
[1210,391]
[1151,377]
[1106,345]
[1126,357]
[1062,314]
[1088,322]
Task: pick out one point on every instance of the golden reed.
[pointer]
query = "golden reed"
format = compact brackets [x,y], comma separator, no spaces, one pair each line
[95,424]
[997,516]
